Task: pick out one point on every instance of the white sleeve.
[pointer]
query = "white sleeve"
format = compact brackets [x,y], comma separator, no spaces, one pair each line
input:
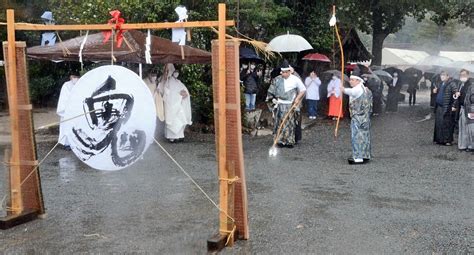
[63,100]
[330,88]
[354,92]
[307,81]
[318,82]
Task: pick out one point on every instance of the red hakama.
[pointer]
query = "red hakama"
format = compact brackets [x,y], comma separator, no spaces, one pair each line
[335,106]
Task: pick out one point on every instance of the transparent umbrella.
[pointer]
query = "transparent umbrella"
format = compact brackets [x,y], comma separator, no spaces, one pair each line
[459,65]
[433,62]
[386,76]
[289,43]
[337,73]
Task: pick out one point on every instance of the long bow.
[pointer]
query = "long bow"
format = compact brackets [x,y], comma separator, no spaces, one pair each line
[118,21]
[333,23]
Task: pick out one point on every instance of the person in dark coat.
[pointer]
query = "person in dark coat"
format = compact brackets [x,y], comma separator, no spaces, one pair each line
[465,106]
[435,81]
[249,78]
[393,93]
[376,86]
[445,110]
[413,81]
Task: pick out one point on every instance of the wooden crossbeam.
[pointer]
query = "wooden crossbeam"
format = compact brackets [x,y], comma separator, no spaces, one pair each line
[163,25]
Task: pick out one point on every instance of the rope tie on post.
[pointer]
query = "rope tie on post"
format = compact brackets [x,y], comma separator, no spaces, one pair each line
[230,181]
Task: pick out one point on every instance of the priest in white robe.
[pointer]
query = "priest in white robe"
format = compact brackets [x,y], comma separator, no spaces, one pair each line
[64,97]
[177,104]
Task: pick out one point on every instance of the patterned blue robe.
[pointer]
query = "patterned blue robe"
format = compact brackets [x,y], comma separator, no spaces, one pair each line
[277,91]
[361,109]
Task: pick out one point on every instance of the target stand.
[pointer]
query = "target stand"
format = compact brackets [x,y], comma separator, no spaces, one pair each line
[26,200]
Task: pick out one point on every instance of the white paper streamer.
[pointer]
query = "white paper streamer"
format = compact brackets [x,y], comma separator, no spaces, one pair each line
[179,34]
[82,46]
[148,48]
[182,13]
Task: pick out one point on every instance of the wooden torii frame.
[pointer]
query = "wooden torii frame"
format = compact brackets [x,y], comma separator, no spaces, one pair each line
[231,172]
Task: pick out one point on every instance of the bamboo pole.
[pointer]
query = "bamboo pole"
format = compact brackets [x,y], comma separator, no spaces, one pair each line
[222,139]
[342,72]
[163,25]
[15,178]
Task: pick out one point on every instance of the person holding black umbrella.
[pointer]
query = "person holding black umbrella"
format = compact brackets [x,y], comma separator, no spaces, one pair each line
[393,93]
[249,77]
[445,110]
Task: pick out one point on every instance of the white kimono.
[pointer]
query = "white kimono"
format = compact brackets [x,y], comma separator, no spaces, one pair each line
[177,109]
[64,96]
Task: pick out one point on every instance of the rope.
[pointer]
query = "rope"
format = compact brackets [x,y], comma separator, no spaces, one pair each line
[257,45]
[65,50]
[59,122]
[129,45]
[230,181]
[31,173]
[199,187]
[36,167]
[47,154]
[230,235]
[2,203]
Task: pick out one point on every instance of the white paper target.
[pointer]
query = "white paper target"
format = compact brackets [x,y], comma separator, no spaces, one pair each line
[118,118]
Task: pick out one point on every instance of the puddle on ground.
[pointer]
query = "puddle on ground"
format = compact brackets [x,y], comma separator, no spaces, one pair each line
[67,167]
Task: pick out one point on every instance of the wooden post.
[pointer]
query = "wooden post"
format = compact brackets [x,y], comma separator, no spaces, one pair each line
[231,173]
[224,226]
[15,178]
[26,200]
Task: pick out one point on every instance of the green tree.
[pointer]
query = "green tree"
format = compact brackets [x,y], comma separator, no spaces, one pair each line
[384,17]
[261,20]
[311,19]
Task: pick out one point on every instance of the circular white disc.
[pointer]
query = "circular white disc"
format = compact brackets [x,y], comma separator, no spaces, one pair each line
[117,118]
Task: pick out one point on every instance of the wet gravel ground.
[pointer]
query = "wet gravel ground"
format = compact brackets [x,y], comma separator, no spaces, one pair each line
[414,197]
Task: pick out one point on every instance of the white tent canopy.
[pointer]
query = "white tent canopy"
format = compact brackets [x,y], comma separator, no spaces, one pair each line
[459,55]
[399,57]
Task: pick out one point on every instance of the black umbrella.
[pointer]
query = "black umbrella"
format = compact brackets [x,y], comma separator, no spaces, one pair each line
[413,72]
[362,68]
[371,76]
[392,70]
[249,55]
[383,75]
